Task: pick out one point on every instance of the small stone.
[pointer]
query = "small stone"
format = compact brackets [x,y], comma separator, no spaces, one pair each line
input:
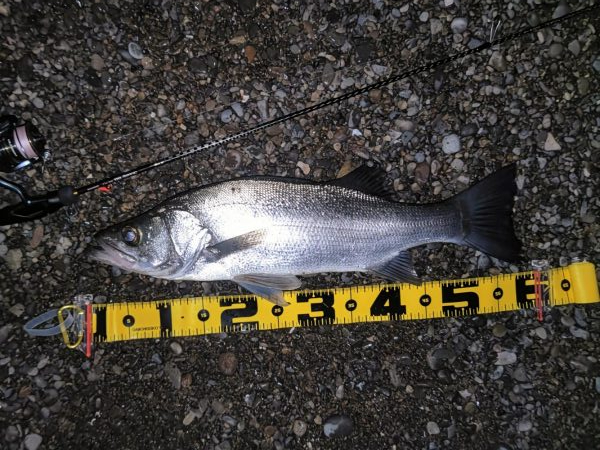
[583,86]
[299,428]
[97,62]
[433,428]
[191,139]
[567,321]
[189,418]
[459,25]
[135,50]
[176,348]
[579,332]
[32,441]
[551,145]
[424,16]
[451,144]
[422,171]
[499,330]
[438,357]
[541,332]
[186,380]
[520,374]
[233,159]
[458,165]
[247,6]
[597,384]
[197,65]
[237,109]
[218,407]
[498,62]
[270,430]
[228,363]
[524,426]
[497,373]
[174,375]
[37,102]
[562,9]
[305,168]
[506,358]
[555,50]
[338,425]
[574,47]
[36,236]
[14,258]
[226,116]
[250,53]
[17,309]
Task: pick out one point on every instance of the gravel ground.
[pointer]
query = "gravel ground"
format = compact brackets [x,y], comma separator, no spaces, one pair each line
[114,84]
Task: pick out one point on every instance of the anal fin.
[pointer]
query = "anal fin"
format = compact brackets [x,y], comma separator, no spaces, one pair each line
[399,268]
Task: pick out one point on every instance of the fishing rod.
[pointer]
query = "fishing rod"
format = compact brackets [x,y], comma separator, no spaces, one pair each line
[21,144]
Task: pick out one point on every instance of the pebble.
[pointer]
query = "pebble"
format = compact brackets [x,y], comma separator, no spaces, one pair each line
[550,145]
[305,168]
[233,159]
[14,258]
[524,426]
[37,236]
[433,428]
[338,426]
[247,6]
[176,348]
[459,25]
[97,62]
[237,109]
[226,116]
[38,103]
[422,171]
[135,50]
[541,332]
[556,49]
[451,144]
[562,9]
[574,47]
[197,65]
[174,375]
[227,363]
[32,441]
[299,428]
[497,61]
[424,16]
[579,332]
[499,330]
[250,52]
[506,358]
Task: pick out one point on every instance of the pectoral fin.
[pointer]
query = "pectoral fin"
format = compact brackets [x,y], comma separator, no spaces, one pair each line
[235,244]
[399,268]
[269,286]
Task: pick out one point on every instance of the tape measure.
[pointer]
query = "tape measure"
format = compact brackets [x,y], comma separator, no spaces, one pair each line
[536,289]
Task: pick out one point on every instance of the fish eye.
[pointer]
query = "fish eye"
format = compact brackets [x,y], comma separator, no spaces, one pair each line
[131,236]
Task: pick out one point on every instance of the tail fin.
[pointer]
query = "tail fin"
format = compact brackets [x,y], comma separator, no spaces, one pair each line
[486,211]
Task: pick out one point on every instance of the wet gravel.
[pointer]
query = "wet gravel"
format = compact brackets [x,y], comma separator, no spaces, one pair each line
[117,84]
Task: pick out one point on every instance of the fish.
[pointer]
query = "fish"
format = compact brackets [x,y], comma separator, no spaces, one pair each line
[262,232]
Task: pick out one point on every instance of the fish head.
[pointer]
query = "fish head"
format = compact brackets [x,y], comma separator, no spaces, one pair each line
[161,243]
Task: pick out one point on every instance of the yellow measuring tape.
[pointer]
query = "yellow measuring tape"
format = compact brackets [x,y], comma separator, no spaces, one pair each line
[575,283]
[536,289]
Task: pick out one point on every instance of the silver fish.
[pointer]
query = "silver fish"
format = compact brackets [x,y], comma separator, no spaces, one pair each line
[263,231]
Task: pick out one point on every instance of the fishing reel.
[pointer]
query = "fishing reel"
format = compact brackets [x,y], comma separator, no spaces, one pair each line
[21,145]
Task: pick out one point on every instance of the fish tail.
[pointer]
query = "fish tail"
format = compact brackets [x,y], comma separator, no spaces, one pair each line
[486,213]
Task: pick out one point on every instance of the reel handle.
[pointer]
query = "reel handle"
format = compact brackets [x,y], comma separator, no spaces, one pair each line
[34,207]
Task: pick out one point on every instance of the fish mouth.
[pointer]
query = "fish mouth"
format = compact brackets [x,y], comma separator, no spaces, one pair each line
[107,252]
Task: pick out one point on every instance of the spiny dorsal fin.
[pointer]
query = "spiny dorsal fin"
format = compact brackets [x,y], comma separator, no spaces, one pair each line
[370,180]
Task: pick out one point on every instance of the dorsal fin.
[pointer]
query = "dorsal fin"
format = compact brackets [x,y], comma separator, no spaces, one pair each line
[370,180]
